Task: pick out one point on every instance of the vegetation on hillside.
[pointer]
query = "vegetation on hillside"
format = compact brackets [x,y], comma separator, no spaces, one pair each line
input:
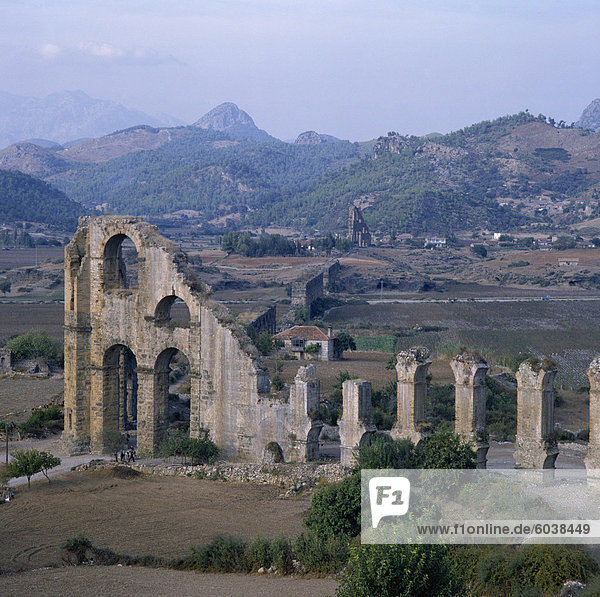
[25,198]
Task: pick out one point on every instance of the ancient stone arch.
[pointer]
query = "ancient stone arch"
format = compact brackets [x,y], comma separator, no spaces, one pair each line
[230,391]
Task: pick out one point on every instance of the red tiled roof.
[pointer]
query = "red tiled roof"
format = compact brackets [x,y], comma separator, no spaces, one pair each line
[306,332]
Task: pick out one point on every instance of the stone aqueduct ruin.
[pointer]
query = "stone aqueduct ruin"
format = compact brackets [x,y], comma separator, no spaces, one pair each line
[119,342]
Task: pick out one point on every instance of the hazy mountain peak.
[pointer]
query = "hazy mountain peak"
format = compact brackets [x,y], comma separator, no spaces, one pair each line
[314,138]
[590,117]
[62,116]
[223,117]
[228,118]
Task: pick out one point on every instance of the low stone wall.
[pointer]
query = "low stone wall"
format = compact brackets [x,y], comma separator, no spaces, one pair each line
[293,477]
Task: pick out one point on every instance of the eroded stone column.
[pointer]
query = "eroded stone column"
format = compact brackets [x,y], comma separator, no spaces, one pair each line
[535,445]
[355,421]
[470,369]
[411,368]
[305,396]
[592,458]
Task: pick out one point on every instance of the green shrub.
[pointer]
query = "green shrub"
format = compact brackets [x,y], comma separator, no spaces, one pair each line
[79,546]
[43,419]
[399,571]
[445,450]
[36,343]
[384,452]
[322,554]
[335,508]
[507,570]
[222,554]
[277,383]
[281,551]
[199,449]
[593,588]
[258,554]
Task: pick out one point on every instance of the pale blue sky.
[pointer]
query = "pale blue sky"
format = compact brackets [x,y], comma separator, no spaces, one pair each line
[350,68]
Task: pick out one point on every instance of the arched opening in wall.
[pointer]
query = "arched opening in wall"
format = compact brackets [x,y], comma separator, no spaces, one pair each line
[172,386]
[120,403]
[120,263]
[173,310]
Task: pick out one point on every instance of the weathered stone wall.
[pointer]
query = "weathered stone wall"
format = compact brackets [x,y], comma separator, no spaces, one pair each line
[306,291]
[266,321]
[330,275]
[230,390]
[6,360]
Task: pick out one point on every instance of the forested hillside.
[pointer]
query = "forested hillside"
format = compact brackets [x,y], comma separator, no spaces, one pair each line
[25,198]
[204,170]
[497,174]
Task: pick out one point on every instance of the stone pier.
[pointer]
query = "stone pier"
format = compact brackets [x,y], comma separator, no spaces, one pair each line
[411,369]
[535,445]
[355,422]
[470,369]
[305,396]
[592,458]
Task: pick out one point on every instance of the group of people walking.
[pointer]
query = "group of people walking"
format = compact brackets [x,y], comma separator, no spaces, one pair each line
[128,455]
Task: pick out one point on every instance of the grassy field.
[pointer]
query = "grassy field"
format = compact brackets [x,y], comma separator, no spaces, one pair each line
[569,331]
[18,318]
[12,258]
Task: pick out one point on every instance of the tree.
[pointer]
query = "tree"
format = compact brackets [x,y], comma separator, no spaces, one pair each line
[26,463]
[114,441]
[344,341]
[4,286]
[8,426]
[479,250]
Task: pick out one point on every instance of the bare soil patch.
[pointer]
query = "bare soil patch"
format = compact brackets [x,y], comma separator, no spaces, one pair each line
[92,581]
[157,515]
[18,395]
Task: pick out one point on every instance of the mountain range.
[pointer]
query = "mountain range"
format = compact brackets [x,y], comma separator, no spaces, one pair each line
[65,116]
[516,170]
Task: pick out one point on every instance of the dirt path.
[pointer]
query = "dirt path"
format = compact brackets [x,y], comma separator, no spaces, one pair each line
[90,581]
[51,445]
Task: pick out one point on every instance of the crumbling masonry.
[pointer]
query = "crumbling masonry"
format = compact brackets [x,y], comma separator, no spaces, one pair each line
[119,342]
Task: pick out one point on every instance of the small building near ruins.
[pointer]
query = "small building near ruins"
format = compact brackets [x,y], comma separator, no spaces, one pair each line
[300,338]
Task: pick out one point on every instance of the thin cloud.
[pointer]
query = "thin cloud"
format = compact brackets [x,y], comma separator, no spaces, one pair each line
[105,53]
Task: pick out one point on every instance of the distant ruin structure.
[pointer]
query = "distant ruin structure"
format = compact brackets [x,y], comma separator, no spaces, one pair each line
[358,231]
[120,340]
[306,291]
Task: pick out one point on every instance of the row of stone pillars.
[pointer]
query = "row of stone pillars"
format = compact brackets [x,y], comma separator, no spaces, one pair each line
[536,444]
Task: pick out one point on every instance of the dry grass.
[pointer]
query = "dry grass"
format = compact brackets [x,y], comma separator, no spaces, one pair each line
[158,515]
